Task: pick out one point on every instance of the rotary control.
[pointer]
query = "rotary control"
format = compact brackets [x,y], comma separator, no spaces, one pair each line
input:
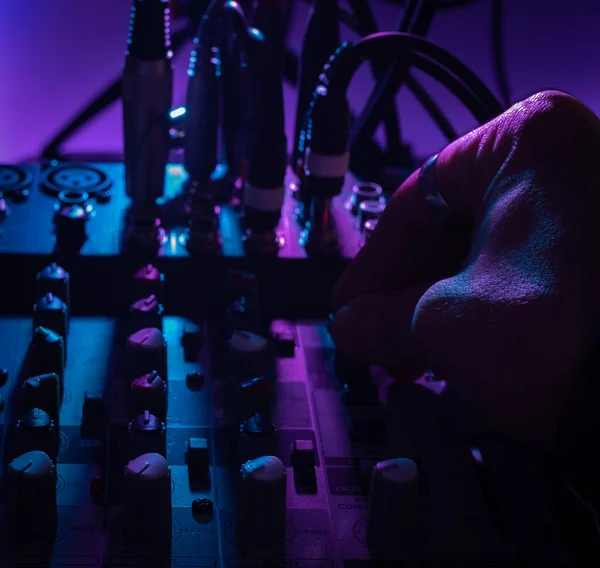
[147,351]
[47,355]
[146,434]
[55,279]
[32,498]
[261,520]
[43,392]
[51,312]
[70,221]
[37,431]
[248,356]
[394,507]
[147,514]
[148,281]
[147,312]
[149,392]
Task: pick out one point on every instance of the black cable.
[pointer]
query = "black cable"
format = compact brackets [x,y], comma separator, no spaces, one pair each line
[107,97]
[367,26]
[391,42]
[498,50]
[431,107]
[425,55]
[417,19]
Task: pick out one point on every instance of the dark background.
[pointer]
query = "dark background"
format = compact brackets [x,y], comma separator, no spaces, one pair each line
[55,55]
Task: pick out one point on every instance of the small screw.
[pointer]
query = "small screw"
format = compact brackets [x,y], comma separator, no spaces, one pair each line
[3,377]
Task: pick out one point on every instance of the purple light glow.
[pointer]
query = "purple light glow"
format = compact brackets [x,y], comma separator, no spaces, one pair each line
[56,60]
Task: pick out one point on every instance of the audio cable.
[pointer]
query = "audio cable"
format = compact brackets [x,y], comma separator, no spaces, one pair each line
[328,141]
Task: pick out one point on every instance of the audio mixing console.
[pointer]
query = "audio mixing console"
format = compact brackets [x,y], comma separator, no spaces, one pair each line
[223,437]
[153,440]
[143,426]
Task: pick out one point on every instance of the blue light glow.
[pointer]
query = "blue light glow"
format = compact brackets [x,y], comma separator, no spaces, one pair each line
[176,113]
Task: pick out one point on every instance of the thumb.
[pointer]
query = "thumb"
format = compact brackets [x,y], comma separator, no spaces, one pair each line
[376,329]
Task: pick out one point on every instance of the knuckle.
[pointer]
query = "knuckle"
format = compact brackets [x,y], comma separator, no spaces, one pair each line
[549,113]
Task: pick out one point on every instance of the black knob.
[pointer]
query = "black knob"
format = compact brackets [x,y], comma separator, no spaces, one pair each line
[146,434]
[70,223]
[37,431]
[43,391]
[32,498]
[147,312]
[149,392]
[51,312]
[147,351]
[147,514]
[54,278]
[148,281]
[47,355]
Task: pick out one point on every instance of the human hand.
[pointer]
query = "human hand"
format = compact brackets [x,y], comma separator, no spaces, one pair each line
[507,312]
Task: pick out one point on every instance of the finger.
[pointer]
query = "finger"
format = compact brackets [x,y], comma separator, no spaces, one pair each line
[511,329]
[376,329]
[410,245]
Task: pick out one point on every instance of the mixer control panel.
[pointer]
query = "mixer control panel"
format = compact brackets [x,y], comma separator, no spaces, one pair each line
[160,440]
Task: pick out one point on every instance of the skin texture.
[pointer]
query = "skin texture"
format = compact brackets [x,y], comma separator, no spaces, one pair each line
[508,311]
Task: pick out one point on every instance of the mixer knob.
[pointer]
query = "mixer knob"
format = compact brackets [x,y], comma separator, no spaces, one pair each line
[70,221]
[261,518]
[147,351]
[369,210]
[147,312]
[54,278]
[148,281]
[51,312]
[43,392]
[37,431]
[146,435]
[364,191]
[32,498]
[47,355]
[147,513]
[248,356]
[394,507]
[149,392]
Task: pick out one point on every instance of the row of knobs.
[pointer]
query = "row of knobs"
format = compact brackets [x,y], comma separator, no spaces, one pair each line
[147,515]
[32,473]
[262,478]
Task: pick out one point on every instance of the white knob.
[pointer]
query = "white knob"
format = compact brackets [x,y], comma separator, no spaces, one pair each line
[394,506]
[147,513]
[248,356]
[262,505]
